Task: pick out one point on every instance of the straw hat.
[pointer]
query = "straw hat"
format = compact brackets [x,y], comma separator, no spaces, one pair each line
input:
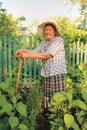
[42,25]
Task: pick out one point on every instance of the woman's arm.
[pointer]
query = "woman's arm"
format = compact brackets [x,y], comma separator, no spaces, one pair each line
[22,53]
[34,55]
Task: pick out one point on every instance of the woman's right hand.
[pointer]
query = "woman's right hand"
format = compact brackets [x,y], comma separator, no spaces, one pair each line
[19,53]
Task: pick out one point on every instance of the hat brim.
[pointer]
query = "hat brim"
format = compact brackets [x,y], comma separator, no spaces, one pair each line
[41,28]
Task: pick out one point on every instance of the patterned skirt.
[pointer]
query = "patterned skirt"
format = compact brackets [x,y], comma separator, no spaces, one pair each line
[51,85]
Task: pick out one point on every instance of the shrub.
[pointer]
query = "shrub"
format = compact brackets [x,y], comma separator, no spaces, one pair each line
[19,112]
[68,110]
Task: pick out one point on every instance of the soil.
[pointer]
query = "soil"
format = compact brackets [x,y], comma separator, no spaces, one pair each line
[42,123]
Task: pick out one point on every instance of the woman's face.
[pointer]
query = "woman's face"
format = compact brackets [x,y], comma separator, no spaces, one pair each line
[49,32]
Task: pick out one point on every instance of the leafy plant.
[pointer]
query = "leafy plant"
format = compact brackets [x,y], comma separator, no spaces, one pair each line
[9,25]
[19,112]
[68,110]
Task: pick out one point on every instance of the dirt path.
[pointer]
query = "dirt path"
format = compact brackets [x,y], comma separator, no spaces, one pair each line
[42,123]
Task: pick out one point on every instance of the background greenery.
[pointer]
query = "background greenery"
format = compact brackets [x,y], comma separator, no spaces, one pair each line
[70,112]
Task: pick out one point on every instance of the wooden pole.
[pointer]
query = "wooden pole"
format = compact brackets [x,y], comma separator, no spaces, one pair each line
[18,77]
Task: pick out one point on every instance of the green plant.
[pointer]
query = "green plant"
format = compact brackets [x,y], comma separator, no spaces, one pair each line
[68,110]
[19,112]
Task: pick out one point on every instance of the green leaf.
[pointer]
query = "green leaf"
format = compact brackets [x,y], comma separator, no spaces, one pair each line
[11,91]
[61,128]
[75,126]
[68,119]
[21,108]
[70,94]
[84,126]
[80,116]
[59,97]
[80,120]
[84,93]
[4,86]
[13,121]
[1,112]
[23,127]
[79,103]
[85,74]
[7,108]
[81,67]
[0,93]
[14,100]
[2,100]
[80,113]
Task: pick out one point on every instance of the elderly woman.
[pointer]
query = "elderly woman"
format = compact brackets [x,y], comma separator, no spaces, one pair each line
[52,53]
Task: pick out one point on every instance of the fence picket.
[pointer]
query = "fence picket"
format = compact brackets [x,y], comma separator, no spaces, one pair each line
[77,56]
[35,65]
[0,59]
[73,55]
[85,54]
[25,65]
[4,57]
[69,56]
[19,42]
[14,50]
[9,55]
[81,53]
[19,47]
[30,60]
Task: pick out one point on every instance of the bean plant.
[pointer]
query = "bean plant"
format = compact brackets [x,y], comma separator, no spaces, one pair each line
[68,110]
[19,112]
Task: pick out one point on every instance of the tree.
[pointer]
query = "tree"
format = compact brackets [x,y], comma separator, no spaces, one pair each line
[70,30]
[83,3]
[8,24]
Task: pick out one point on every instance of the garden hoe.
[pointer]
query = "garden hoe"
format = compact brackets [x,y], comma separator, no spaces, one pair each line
[18,77]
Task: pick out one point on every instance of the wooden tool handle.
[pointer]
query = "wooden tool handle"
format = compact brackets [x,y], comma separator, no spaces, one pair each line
[18,77]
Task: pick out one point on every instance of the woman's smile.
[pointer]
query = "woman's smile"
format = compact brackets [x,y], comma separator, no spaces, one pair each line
[49,32]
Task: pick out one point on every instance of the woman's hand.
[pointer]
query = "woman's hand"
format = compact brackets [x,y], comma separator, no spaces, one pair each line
[19,53]
[23,53]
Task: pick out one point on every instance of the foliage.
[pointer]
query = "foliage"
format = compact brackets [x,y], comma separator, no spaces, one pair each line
[68,110]
[71,32]
[8,24]
[19,112]
[82,3]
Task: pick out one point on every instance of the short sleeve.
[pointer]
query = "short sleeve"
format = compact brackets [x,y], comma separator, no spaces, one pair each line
[56,46]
